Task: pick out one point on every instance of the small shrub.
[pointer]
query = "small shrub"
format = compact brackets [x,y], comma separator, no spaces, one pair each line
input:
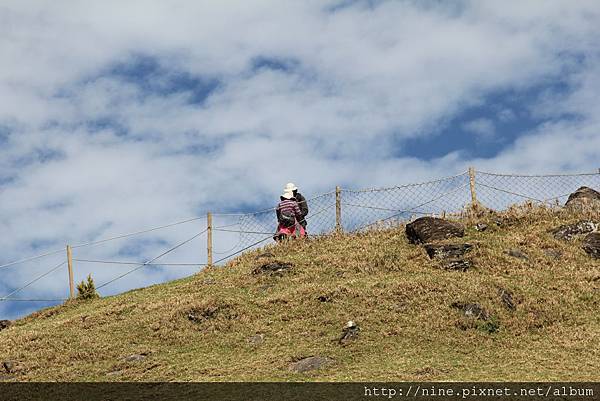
[87,290]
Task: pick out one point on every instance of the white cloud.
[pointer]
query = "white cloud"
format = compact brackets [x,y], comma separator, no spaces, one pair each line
[483,128]
[361,80]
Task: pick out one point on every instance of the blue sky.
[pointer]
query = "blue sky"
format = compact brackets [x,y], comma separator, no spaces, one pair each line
[117,116]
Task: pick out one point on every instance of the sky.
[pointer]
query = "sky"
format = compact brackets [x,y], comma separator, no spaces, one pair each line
[117,116]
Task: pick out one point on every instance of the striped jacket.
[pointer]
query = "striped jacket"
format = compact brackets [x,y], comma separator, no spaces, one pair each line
[289,206]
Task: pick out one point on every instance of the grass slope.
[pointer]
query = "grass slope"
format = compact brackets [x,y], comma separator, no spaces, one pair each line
[400,299]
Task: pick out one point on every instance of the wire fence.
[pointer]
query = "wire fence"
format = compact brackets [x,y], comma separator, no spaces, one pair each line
[347,210]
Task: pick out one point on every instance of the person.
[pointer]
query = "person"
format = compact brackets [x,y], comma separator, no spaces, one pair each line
[301,202]
[289,216]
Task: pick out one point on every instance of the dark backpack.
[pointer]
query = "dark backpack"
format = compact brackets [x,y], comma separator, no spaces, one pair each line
[287,219]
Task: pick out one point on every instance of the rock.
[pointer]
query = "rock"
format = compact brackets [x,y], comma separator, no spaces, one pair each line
[481,227]
[135,357]
[457,264]
[583,198]
[199,315]
[257,339]
[11,366]
[310,363]
[552,253]
[208,281]
[472,310]
[349,333]
[507,299]
[5,324]
[444,251]
[324,298]
[272,267]
[569,231]
[428,229]
[517,253]
[591,245]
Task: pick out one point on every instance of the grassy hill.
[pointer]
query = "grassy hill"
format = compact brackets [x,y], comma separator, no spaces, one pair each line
[230,324]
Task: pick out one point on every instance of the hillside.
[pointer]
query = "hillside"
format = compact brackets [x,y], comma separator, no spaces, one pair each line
[234,324]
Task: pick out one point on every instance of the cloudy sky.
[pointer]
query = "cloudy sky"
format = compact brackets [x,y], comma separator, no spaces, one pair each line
[116,116]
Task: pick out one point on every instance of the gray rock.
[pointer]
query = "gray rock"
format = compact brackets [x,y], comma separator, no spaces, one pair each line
[10,366]
[591,245]
[257,339]
[444,251]
[552,253]
[584,198]
[507,299]
[472,310]
[428,229]
[310,363]
[5,324]
[457,264]
[569,231]
[481,227]
[517,253]
[135,357]
[272,267]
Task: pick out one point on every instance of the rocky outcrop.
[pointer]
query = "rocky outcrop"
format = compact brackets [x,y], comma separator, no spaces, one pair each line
[569,231]
[584,198]
[591,245]
[429,229]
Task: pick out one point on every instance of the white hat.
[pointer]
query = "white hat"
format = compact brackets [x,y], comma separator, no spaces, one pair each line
[287,194]
[290,187]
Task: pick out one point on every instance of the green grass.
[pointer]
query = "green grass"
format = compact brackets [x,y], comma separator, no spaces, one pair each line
[399,298]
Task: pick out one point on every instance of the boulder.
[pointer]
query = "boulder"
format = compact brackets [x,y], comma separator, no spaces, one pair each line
[5,324]
[584,198]
[569,231]
[429,229]
[11,366]
[256,339]
[310,363]
[272,267]
[481,227]
[591,245]
[517,253]
[444,251]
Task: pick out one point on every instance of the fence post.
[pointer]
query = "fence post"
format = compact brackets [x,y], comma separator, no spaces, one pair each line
[70,265]
[338,209]
[472,186]
[209,229]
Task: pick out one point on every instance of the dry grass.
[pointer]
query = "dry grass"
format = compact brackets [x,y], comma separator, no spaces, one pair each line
[199,328]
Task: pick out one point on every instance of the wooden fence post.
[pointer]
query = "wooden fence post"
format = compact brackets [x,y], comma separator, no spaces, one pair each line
[209,248]
[472,186]
[338,209]
[70,265]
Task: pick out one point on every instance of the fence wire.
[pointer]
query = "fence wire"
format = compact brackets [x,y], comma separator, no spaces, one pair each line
[499,191]
[365,208]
